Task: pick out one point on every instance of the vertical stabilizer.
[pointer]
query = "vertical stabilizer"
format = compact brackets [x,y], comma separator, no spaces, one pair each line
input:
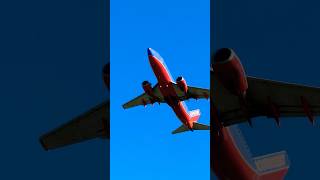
[194,115]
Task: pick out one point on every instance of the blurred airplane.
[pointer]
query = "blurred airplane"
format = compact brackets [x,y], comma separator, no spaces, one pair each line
[167,91]
[238,98]
[92,124]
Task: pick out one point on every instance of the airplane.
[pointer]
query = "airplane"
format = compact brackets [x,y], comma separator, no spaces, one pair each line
[172,93]
[94,123]
[237,98]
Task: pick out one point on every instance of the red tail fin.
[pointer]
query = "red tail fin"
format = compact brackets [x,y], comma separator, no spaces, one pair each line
[194,115]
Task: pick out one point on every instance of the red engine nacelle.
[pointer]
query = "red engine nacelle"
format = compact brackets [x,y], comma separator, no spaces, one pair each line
[182,84]
[230,72]
[106,75]
[147,88]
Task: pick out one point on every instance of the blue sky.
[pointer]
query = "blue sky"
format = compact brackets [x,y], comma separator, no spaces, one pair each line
[52,54]
[142,146]
[276,40]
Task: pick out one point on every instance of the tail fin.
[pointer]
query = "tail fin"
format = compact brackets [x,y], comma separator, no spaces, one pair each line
[194,115]
[196,126]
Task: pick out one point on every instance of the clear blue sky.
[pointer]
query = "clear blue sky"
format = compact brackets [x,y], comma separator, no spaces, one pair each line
[52,54]
[276,40]
[142,146]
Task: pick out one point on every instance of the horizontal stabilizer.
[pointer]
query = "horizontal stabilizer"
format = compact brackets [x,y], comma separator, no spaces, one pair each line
[199,126]
[196,126]
[180,129]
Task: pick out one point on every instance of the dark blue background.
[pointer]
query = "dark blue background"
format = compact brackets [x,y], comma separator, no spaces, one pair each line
[51,57]
[276,40]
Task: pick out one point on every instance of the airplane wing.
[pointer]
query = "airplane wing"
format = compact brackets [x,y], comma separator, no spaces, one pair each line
[193,92]
[92,124]
[264,97]
[145,99]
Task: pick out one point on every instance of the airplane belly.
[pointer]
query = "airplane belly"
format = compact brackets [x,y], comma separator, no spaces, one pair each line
[181,113]
[233,161]
[167,90]
[160,71]
[228,161]
[169,93]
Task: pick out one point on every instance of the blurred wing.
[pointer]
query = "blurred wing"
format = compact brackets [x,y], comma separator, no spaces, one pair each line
[92,124]
[193,92]
[290,100]
[145,99]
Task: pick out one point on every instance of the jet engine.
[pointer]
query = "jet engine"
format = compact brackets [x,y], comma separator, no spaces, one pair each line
[182,84]
[106,75]
[230,72]
[146,85]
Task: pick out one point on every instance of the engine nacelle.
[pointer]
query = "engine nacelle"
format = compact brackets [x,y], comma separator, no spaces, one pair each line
[182,84]
[230,72]
[106,75]
[147,88]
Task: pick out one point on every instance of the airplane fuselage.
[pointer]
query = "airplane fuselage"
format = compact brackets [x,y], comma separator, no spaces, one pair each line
[167,90]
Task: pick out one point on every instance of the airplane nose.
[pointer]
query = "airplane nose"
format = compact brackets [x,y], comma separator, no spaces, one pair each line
[150,52]
[155,54]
